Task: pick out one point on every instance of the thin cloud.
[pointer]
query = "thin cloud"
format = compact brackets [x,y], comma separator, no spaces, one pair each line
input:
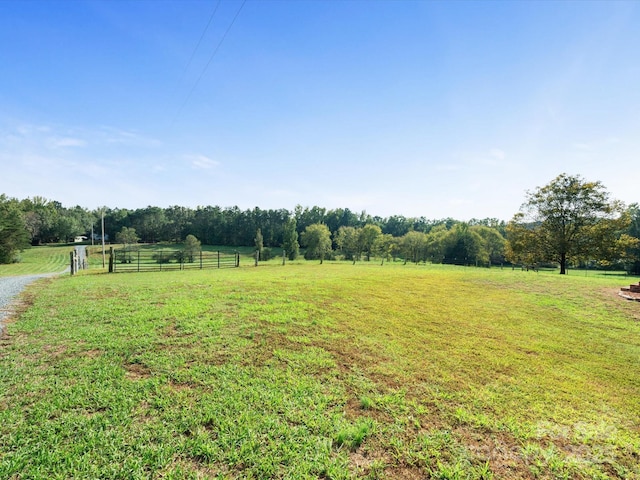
[65,142]
[202,162]
[37,137]
[118,136]
[27,129]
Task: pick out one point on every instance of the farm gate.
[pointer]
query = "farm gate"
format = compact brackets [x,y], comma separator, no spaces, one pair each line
[145,260]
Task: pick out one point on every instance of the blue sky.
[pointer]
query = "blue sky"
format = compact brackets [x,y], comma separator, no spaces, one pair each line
[435,109]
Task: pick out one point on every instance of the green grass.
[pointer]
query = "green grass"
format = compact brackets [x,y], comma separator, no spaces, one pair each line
[46,259]
[323,371]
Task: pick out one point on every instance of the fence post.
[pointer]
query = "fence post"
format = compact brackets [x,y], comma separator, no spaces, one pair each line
[200,259]
[284,256]
[218,258]
[111,262]
[237,259]
[138,260]
[71,262]
[257,256]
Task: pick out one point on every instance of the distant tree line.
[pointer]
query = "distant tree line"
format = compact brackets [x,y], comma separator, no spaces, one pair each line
[322,233]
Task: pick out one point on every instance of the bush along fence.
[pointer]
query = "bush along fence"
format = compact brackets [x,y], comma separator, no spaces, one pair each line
[139,260]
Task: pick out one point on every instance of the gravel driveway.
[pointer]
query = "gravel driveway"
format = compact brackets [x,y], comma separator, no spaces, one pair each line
[10,287]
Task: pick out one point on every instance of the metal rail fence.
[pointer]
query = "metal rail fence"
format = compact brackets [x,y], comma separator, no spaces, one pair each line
[143,260]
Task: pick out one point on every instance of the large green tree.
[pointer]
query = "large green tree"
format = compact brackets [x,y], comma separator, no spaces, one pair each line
[632,254]
[259,243]
[150,223]
[192,248]
[568,219]
[347,242]
[385,246]
[493,242]
[14,236]
[413,246]
[39,217]
[367,238]
[290,239]
[127,236]
[317,239]
[464,246]
[436,243]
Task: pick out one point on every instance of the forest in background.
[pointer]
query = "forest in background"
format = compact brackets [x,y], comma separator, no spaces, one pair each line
[353,235]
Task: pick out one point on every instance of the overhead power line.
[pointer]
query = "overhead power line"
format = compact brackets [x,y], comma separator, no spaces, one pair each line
[213,54]
[193,54]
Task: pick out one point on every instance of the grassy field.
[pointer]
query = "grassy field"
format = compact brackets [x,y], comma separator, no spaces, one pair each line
[323,371]
[46,259]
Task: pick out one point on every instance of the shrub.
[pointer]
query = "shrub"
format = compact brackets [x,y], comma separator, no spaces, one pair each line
[162,257]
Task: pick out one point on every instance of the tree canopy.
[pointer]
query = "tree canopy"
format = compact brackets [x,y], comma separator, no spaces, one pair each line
[569,218]
[127,236]
[353,235]
[317,239]
[13,235]
[347,242]
[192,247]
[259,243]
[632,252]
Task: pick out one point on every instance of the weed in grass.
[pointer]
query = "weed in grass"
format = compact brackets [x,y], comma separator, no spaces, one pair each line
[353,436]
[483,472]
[448,472]
[376,469]
[366,403]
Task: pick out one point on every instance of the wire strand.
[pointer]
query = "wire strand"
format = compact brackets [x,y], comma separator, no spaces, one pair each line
[193,54]
[215,51]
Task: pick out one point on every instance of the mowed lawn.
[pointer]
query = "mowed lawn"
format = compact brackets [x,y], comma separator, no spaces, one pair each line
[323,371]
[34,260]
